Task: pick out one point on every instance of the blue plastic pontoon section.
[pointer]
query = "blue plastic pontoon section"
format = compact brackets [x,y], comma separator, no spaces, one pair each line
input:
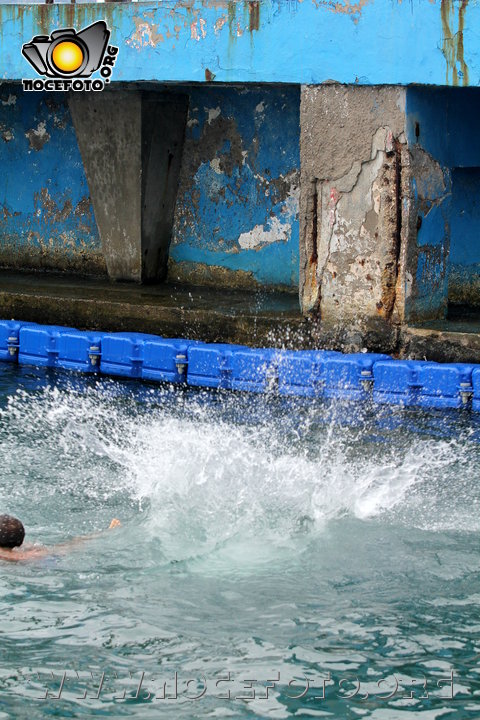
[307,373]
[422,383]
[148,357]
[55,346]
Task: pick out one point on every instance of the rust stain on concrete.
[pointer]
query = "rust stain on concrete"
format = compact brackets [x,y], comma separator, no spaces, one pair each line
[391,206]
[217,276]
[222,20]
[51,211]
[6,134]
[83,207]
[253,15]
[453,42]
[198,29]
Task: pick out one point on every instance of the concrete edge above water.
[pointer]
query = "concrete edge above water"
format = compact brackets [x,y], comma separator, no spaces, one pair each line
[257,319]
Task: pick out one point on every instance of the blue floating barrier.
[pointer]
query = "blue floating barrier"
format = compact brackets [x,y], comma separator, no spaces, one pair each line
[122,354]
[476,389]
[253,369]
[38,345]
[350,377]
[165,359]
[9,339]
[79,350]
[210,365]
[55,346]
[445,385]
[302,372]
[312,373]
[423,383]
[396,382]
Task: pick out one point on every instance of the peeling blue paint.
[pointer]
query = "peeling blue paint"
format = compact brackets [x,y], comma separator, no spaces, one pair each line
[237,206]
[44,199]
[444,123]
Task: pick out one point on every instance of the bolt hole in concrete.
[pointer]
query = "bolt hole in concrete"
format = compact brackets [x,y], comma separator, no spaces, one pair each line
[277,541]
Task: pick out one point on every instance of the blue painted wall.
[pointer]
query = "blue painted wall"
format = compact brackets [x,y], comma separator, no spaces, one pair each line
[46,218]
[236,219]
[427,134]
[464,261]
[446,122]
[237,207]
[362,41]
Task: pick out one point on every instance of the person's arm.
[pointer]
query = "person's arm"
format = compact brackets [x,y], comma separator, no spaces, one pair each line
[34,553]
[84,538]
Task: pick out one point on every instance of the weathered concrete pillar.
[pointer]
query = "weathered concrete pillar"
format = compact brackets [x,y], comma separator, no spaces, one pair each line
[131,144]
[352,141]
[374,217]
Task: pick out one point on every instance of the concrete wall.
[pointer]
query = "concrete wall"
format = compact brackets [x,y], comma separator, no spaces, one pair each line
[46,217]
[386,224]
[389,212]
[366,42]
[131,142]
[236,219]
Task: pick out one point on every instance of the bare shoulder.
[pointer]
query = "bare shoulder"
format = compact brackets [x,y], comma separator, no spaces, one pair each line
[20,555]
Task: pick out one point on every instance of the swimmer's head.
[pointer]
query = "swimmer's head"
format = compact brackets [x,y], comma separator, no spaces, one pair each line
[12,532]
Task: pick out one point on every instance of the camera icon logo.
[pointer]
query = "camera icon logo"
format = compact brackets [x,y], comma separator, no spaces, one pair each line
[68,54]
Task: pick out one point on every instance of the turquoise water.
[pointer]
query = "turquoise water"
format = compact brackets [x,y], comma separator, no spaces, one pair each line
[266,546]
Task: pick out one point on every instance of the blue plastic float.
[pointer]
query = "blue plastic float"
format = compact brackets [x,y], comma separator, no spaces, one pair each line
[423,383]
[302,372]
[307,373]
[476,388]
[351,376]
[55,346]
[148,357]
[210,365]
[9,341]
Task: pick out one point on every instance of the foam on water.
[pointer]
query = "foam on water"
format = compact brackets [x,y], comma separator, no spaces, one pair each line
[200,476]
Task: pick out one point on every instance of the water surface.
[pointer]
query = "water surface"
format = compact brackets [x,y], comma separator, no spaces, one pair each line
[277,558]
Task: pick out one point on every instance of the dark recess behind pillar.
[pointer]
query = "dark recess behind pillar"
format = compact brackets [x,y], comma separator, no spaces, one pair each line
[164,119]
[131,142]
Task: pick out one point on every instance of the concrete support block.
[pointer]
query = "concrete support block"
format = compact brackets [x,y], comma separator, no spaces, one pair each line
[375,212]
[131,144]
[351,146]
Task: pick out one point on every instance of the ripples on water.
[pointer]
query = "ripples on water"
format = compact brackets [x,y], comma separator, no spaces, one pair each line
[262,540]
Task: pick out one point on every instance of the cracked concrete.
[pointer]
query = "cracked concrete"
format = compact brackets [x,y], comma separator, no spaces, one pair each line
[375,214]
[351,145]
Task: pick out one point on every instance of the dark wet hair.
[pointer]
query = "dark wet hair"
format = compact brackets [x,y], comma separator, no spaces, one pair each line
[12,532]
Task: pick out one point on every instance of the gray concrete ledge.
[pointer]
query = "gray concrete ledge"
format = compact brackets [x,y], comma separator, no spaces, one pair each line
[251,318]
[260,318]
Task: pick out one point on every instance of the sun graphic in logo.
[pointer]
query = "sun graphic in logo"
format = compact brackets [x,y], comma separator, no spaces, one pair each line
[67,56]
